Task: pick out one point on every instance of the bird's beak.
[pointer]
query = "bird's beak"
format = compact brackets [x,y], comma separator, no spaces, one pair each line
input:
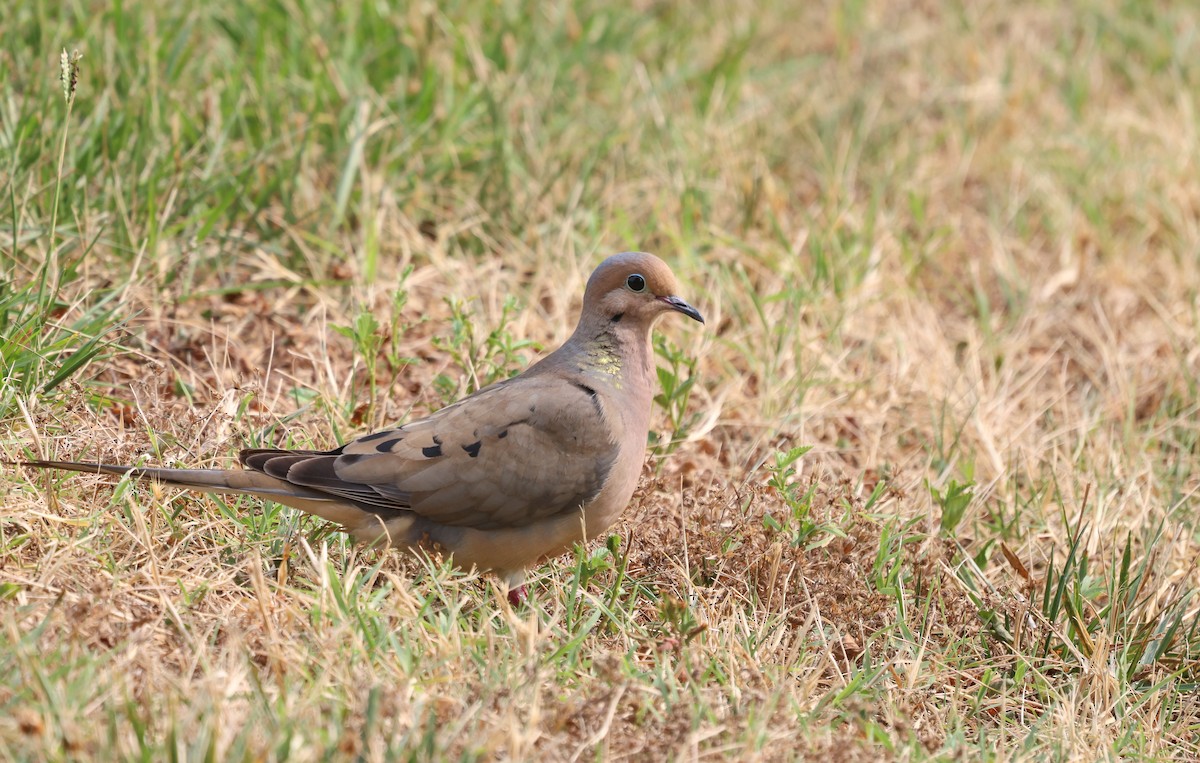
[680,306]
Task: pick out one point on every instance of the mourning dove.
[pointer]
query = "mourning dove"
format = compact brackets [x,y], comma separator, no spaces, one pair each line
[519,471]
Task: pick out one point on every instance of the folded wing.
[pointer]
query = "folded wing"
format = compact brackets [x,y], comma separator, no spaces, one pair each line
[507,456]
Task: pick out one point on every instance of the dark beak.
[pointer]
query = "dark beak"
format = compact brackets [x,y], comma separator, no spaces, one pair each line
[679,305]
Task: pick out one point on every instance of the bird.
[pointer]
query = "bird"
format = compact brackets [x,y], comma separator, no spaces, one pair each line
[515,473]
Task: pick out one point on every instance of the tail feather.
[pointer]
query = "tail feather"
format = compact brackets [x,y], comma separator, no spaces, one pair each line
[233,481]
[256,458]
[207,480]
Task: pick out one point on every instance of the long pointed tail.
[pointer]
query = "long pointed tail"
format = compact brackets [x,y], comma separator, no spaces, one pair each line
[228,481]
[207,480]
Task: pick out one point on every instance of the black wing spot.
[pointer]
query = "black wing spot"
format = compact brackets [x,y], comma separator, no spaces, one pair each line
[473,449]
[433,451]
[437,440]
[591,393]
[350,459]
[504,432]
[376,435]
[387,445]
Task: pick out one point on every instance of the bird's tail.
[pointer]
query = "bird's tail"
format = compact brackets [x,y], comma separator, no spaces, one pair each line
[228,481]
[207,480]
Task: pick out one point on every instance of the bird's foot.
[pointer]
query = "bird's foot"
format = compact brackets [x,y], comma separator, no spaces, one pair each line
[517,596]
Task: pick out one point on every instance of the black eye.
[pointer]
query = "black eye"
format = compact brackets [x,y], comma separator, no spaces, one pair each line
[636,282]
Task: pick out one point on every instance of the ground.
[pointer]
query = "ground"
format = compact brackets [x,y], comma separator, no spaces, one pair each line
[923,487]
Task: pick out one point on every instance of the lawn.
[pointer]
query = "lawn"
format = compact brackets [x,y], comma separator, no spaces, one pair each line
[924,487]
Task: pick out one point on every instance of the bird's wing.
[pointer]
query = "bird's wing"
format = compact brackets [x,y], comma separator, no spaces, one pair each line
[508,456]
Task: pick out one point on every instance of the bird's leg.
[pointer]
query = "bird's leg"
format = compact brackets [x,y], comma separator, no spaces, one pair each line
[517,596]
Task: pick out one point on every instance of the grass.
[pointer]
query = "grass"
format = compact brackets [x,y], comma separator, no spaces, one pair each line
[924,487]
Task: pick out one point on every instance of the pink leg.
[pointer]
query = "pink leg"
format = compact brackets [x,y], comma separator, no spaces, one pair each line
[517,596]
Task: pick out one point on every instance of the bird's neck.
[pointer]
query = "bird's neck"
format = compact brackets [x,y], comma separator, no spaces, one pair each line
[615,355]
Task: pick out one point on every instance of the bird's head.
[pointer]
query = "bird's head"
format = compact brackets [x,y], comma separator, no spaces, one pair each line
[634,288]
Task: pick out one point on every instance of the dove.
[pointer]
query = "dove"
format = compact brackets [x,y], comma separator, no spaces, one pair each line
[515,473]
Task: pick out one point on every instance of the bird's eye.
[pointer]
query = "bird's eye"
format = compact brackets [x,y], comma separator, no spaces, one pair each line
[636,283]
